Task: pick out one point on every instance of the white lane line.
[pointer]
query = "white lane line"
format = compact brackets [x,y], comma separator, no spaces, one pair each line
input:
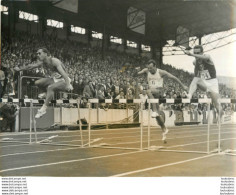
[35,152]
[161,166]
[15,145]
[216,140]
[69,161]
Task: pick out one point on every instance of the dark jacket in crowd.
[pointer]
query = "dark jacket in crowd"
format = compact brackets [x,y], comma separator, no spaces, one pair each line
[7,113]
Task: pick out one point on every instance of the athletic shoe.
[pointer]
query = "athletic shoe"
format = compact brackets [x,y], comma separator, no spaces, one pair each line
[163,137]
[166,131]
[42,95]
[40,113]
[154,115]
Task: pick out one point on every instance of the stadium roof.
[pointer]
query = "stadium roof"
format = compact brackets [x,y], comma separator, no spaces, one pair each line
[162,17]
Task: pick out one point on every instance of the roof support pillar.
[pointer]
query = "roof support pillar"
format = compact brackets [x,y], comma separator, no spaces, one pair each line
[42,26]
[105,41]
[200,39]
[124,43]
[12,19]
[153,50]
[67,29]
[160,54]
[89,36]
[139,48]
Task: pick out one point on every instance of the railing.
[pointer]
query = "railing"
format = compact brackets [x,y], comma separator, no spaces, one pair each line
[20,84]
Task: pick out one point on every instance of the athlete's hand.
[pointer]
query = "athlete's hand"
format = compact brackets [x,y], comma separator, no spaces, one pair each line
[69,87]
[185,88]
[137,69]
[187,52]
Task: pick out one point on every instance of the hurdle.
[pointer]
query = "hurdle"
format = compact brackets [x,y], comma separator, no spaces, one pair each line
[91,143]
[32,120]
[227,151]
[112,101]
[177,101]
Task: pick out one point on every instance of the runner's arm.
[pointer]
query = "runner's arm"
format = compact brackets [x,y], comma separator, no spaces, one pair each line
[29,67]
[164,73]
[200,56]
[145,70]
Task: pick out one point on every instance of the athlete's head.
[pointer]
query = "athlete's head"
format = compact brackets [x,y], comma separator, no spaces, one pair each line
[42,53]
[151,65]
[198,49]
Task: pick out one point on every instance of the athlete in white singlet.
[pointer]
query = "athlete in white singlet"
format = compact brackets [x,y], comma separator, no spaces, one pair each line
[155,82]
[58,80]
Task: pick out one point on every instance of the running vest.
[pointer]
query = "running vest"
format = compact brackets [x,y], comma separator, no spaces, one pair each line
[204,69]
[155,80]
[52,70]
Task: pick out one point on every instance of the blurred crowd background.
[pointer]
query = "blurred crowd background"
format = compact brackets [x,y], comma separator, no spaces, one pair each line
[93,75]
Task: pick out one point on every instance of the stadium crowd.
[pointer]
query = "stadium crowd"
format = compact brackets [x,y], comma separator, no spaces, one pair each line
[93,75]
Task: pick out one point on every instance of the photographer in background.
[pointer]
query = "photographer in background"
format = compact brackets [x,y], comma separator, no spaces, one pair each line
[8,113]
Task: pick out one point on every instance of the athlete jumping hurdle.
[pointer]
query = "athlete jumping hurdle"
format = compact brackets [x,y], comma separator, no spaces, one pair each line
[204,76]
[57,81]
[155,83]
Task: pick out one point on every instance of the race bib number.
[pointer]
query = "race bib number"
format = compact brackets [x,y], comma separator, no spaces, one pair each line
[154,84]
[57,75]
[204,74]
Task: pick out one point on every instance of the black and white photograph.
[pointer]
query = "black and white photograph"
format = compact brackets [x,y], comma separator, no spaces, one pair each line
[98,94]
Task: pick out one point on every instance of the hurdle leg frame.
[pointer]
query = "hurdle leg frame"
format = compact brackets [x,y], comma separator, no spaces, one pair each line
[80,125]
[32,121]
[219,127]
[141,126]
[149,130]
[34,124]
[109,101]
[208,127]
[89,125]
[208,101]
[31,105]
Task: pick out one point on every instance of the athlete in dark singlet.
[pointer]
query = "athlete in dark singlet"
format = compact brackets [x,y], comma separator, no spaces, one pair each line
[204,75]
[58,80]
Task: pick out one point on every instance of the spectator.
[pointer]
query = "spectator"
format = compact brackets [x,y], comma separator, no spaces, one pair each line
[78,85]
[101,92]
[88,91]
[83,63]
[2,78]
[8,112]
